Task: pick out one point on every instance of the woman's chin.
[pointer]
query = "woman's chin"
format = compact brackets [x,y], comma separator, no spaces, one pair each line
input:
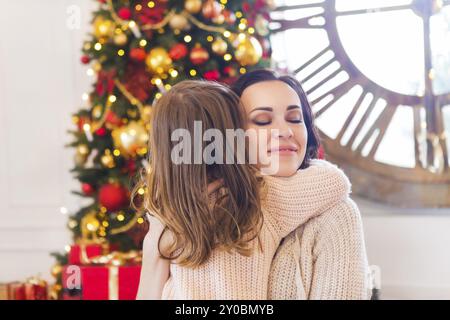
[282,168]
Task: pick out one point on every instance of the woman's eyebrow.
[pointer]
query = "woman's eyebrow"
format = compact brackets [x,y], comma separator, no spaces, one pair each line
[294,106]
[262,108]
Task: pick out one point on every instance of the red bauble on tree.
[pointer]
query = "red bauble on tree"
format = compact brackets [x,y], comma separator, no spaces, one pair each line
[112,119]
[212,75]
[199,55]
[87,189]
[85,59]
[113,196]
[178,51]
[101,132]
[211,9]
[138,54]
[81,122]
[124,13]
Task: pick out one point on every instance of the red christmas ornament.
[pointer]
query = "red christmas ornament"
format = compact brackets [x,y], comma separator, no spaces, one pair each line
[178,51]
[87,189]
[113,196]
[150,16]
[81,122]
[230,18]
[138,54]
[85,59]
[230,71]
[124,13]
[101,132]
[199,55]
[211,9]
[113,119]
[212,75]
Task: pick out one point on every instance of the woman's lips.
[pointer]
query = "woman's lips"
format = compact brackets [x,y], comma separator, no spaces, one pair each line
[284,150]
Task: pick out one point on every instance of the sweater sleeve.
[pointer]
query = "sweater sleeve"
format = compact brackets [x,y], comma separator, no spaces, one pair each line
[339,261]
[291,201]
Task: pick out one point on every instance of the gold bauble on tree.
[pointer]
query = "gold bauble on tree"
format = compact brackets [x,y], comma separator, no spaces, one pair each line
[179,22]
[81,155]
[107,160]
[97,111]
[130,138]
[56,270]
[103,28]
[120,39]
[146,114]
[158,61]
[193,6]
[248,51]
[219,46]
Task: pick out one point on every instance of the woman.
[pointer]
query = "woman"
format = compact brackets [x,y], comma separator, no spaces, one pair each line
[324,258]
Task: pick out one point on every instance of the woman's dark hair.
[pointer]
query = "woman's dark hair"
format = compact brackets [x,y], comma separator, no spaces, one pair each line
[261,75]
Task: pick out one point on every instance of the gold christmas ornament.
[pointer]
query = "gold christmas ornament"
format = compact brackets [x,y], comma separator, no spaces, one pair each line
[146,114]
[83,149]
[193,6]
[97,66]
[248,51]
[103,28]
[128,139]
[80,159]
[56,270]
[89,226]
[120,39]
[220,19]
[97,111]
[158,61]
[219,46]
[107,160]
[179,22]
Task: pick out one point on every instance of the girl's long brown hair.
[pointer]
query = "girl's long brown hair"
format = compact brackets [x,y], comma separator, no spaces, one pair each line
[177,193]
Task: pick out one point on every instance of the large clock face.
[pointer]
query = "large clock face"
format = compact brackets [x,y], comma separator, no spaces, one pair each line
[377,73]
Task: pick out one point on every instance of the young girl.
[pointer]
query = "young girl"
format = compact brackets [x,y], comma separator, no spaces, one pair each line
[216,227]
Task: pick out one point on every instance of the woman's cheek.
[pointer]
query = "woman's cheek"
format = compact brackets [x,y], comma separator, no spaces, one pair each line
[301,137]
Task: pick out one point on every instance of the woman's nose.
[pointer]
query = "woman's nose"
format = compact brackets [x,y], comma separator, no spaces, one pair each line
[282,130]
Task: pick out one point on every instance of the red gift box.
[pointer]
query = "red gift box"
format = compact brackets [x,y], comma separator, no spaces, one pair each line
[12,291]
[104,282]
[82,253]
[32,289]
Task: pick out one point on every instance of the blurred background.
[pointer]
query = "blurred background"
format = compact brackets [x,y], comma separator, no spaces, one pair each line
[84,73]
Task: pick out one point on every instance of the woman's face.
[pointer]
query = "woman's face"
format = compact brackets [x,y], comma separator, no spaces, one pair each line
[274,107]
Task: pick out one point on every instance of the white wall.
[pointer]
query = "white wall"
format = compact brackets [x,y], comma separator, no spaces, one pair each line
[411,247]
[41,82]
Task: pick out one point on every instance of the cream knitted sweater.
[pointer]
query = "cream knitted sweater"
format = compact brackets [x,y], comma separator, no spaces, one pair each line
[289,203]
[324,259]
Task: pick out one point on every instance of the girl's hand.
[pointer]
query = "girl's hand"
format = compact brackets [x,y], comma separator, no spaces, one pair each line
[213,186]
[155,270]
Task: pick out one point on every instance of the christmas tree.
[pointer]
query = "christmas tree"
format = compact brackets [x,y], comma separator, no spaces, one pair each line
[137,51]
